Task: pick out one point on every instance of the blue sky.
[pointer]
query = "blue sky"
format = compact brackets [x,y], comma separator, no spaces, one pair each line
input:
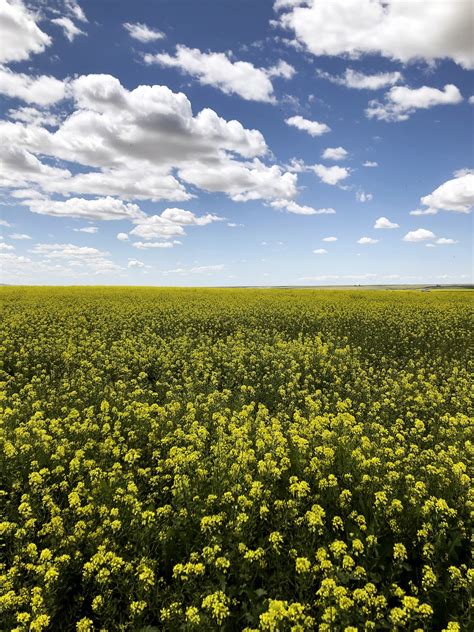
[236,142]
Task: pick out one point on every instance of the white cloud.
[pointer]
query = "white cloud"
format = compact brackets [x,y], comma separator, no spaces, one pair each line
[127,182]
[205,270]
[75,10]
[329,239]
[471,100]
[203,150]
[330,175]
[179,216]
[370,164]
[281,69]
[91,260]
[384,222]
[463,172]
[142,245]
[298,209]
[3,222]
[19,236]
[70,30]
[4,246]
[418,235]
[107,208]
[217,70]
[360,81]
[33,116]
[142,32]
[401,101]
[313,128]
[428,211]
[343,277]
[91,230]
[19,34]
[362,196]
[242,181]
[154,226]
[43,90]
[169,224]
[122,236]
[320,251]
[335,153]
[405,31]
[444,241]
[366,241]
[135,263]
[455,195]
[285,4]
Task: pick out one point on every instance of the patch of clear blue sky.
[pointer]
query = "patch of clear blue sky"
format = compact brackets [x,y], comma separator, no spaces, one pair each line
[414,156]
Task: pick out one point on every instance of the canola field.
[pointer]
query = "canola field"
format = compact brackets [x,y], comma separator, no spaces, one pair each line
[197,459]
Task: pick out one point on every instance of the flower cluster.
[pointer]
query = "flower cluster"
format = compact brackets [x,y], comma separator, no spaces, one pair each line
[274,460]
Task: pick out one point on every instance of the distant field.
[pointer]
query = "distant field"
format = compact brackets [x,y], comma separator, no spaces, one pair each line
[235,459]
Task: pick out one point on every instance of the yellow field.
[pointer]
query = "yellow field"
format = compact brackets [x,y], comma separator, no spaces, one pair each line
[235,459]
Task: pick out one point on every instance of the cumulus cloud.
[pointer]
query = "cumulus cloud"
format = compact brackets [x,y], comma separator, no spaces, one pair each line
[142,32]
[298,209]
[122,236]
[362,196]
[3,222]
[242,181]
[418,235]
[218,70]
[201,270]
[385,223]
[75,10]
[4,246]
[330,175]
[43,89]
[281,69]
[367,241]
[33,116]
[335,153]
[401,101]
[420,211]
[370,164]
[360,81]
[456,195]
[396,29]
[329,239]
[91,230]
[146,245]
[179,216]
[107,208]
[91,260]
[20,36]
[313,128]
[135,263]
[114,133]
[70,30]
[20,236]
[320,251]
[446,241]
[169,224]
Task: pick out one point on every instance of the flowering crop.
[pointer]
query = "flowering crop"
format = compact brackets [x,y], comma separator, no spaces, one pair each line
[235,460]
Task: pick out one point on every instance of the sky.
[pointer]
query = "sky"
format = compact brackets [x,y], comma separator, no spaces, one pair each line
[234,142]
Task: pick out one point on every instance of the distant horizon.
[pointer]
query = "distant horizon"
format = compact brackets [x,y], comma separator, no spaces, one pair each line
[256,287]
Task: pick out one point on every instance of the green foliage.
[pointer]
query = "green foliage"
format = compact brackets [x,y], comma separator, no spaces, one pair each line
[235,460]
